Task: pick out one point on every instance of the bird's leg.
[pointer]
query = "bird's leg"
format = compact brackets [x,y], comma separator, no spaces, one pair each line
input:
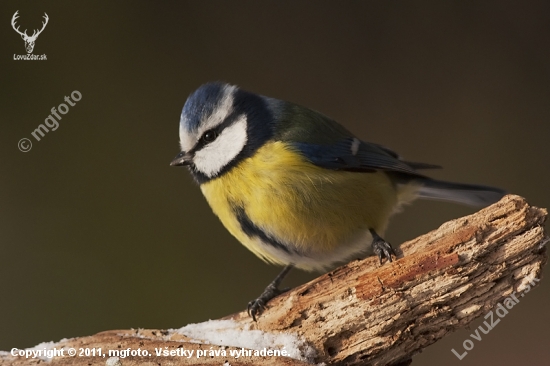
[255,307]
[381,248]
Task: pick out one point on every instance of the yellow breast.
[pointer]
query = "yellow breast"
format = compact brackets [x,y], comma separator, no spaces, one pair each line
[314,211]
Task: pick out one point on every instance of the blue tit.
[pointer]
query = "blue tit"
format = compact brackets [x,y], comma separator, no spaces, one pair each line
[294,186]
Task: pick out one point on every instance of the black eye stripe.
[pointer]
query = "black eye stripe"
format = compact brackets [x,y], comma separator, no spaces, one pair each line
[232,118]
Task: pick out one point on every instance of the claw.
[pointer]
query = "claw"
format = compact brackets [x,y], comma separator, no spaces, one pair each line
[257,306]
[382,248]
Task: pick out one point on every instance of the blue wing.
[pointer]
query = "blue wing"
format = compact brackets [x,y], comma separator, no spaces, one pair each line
[329,145]
[352,154]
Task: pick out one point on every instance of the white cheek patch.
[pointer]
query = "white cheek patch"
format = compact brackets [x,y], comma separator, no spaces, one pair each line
[212,158]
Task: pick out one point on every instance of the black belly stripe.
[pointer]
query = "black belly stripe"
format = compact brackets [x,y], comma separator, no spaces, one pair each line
[250,229]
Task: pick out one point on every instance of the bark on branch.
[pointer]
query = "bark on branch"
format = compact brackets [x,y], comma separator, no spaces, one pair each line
[361,313]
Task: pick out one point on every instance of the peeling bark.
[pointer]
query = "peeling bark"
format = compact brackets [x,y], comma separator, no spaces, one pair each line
[366,314]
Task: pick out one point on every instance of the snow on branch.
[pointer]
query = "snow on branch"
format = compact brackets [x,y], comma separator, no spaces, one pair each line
[359,314]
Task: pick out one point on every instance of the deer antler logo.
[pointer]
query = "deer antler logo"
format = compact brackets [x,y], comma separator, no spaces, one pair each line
[29,40]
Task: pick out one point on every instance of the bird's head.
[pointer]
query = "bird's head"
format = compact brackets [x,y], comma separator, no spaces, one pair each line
[220,126]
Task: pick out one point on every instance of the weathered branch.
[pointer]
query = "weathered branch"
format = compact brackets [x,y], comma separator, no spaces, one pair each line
[361,313]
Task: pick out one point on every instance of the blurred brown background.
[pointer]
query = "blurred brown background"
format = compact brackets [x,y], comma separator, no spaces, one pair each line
[97,232]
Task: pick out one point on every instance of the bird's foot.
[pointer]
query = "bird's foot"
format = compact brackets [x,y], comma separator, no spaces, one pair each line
[257,306]
[382,248]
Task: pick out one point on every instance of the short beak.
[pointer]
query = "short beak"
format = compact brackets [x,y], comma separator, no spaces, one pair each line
[182,159]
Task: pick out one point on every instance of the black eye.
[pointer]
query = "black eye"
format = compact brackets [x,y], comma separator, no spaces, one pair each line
[209,136]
